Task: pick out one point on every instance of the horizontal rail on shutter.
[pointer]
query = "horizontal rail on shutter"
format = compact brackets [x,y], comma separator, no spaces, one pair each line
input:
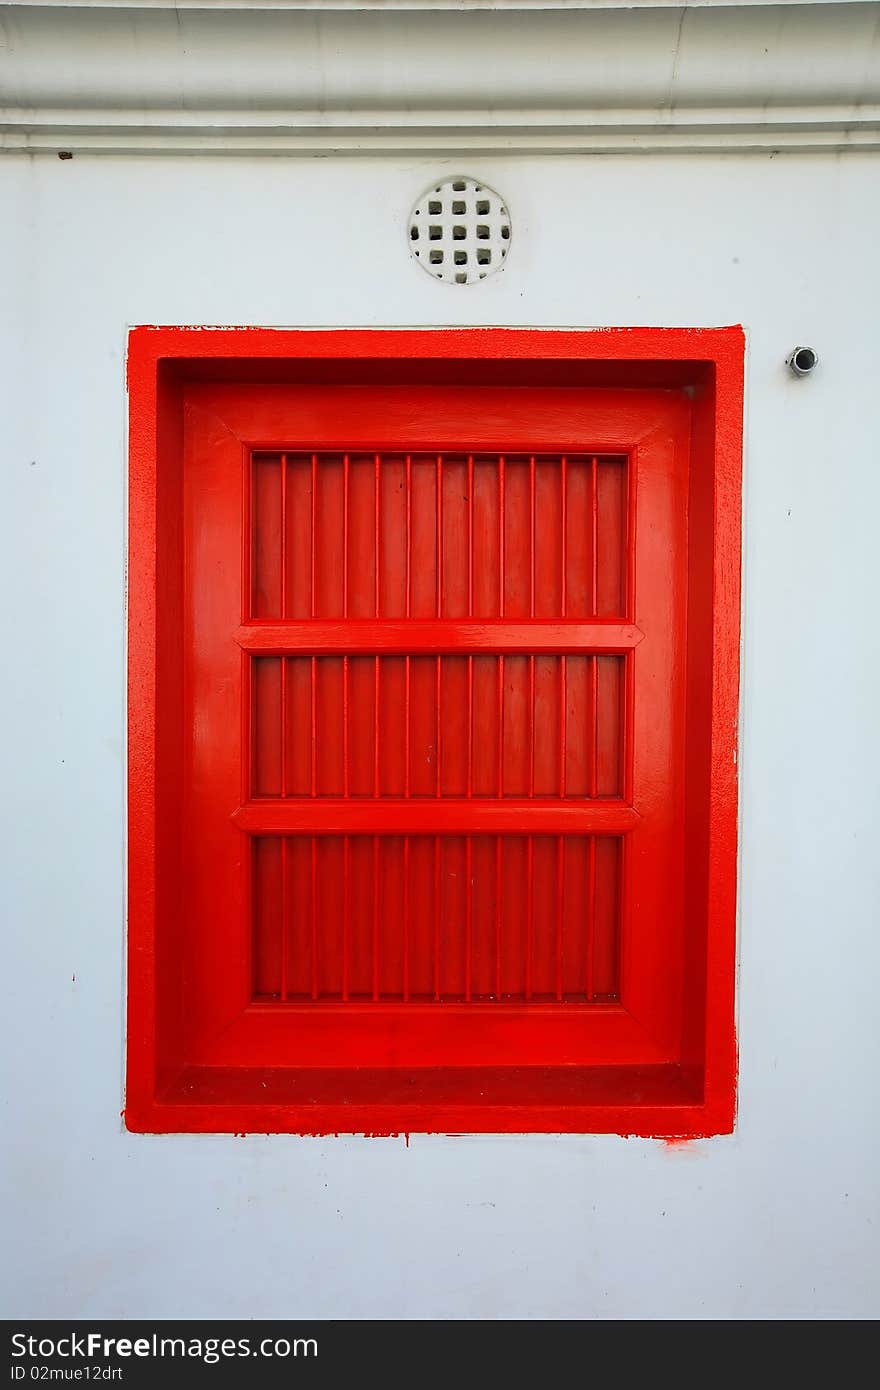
[434,816]
[413,636]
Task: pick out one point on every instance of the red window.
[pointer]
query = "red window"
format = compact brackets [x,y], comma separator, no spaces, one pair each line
[433,644]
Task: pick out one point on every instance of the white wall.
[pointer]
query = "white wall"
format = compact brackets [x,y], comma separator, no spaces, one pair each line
[773,1221]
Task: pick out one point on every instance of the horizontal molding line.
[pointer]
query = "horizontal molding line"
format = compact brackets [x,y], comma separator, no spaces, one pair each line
[386,6]
[442,82]
[462,120]
[451,636]
[433,816]
[444,144]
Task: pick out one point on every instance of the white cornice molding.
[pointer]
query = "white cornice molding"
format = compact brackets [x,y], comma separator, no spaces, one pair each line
[404,79]
[403,5]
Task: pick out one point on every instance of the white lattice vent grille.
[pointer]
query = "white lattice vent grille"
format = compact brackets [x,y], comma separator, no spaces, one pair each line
[459,231]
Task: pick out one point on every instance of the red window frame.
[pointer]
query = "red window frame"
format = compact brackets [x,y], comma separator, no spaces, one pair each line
[662,1061]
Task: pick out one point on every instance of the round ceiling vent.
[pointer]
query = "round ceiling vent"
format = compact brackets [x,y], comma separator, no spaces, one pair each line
[459,231]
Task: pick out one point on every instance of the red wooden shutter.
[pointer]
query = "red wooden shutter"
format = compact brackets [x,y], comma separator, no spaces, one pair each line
[437,630]
[426,558]
[432,787]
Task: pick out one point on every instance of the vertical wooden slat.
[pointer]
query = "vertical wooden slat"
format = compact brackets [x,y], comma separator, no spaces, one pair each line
[346,720]
[594,520]
[532,553]
[346,912]
[406,871]
[593,661]
[470,609]
[563,537]
[438,914]
[285,915]
[283,731]
[375,933]
[563,723]
[313,511]
[408,586]
[408,603]
[249,559]
[501,524]
[563,660]
[313,913]
[591,916]
[314,730]
[499,911]
[283,535]
[470,727]
[470,468]
[629,665]
[407,718]
[376,725]
[439,528]
[594,732]
[345,529]
[469,918]
[560,912]
[408,611]
[313,583]
[377,532]
[501,588]
[438,722]
[438,719]
[346,729]
[531,726]
[284,614]
[500,698]
[530,910]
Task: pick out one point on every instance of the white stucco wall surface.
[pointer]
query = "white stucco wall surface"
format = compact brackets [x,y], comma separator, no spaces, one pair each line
[777,1220]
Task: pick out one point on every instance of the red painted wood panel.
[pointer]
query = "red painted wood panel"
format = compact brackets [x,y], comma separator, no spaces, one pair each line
[474,550]
[340,536]
[503,918]
[425,708]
